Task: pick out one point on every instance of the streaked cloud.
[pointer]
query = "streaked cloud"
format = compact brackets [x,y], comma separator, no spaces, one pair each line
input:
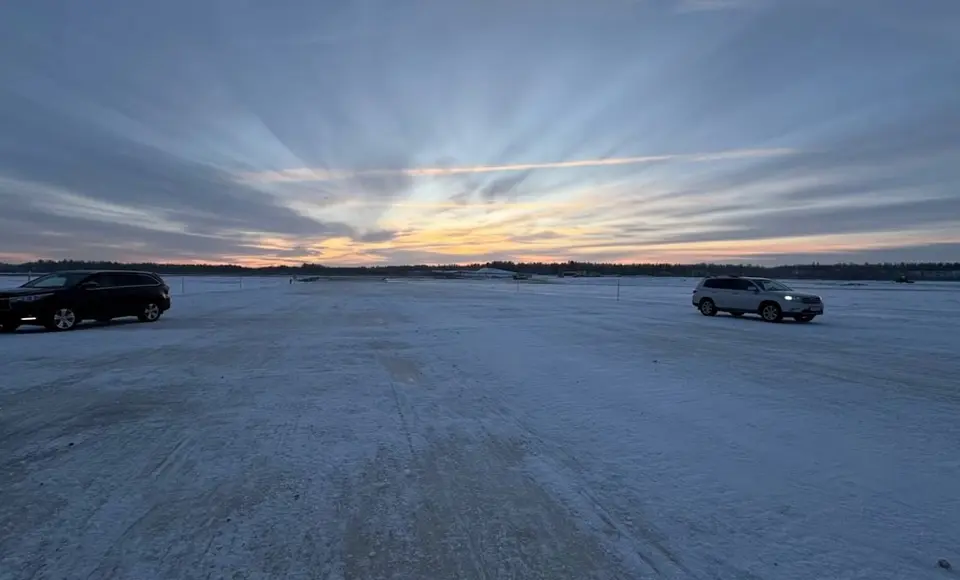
[319,174]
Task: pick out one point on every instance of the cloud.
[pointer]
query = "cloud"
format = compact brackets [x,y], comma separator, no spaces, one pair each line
[81,157]
[350,134]
[308,174]
[537,237]
[771,222]
[942,252]
[503,187]
[712,5]
[27,227]
[376,237]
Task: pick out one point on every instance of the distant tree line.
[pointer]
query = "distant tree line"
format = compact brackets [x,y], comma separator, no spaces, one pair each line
[844,271]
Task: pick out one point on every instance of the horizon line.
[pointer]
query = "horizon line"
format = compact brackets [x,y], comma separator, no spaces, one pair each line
[461,264]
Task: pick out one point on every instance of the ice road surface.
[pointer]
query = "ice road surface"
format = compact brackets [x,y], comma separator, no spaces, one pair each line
[459,429]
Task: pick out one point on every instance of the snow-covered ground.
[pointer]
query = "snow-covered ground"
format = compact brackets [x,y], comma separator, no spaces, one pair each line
[481,429]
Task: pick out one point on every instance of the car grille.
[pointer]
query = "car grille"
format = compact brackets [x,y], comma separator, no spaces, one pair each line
[813,300]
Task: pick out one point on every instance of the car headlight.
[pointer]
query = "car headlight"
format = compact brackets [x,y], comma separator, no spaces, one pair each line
[30,298]
[789,298]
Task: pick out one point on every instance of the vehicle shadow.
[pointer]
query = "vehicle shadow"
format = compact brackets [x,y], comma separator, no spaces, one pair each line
[745,319]
[83,326]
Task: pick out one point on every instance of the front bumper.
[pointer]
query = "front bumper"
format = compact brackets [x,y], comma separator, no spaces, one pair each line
[22,312]
[800,308]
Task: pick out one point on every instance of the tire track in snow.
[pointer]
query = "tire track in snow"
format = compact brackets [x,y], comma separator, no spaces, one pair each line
[601,510]
[406,371]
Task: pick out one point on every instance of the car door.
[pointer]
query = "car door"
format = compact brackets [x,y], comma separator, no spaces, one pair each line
[101,296]
[733,293]
[129,290]
[746,296]
[723,293]
[142,289]
[738,294]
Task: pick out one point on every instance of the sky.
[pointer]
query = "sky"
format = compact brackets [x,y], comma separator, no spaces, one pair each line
[457,131]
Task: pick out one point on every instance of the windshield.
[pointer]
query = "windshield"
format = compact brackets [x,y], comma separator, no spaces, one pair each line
[55,281]
[772,285]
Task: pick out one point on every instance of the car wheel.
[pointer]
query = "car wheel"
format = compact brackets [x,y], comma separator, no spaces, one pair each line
[8,327]
[707,307]
[771,312]
[736,314]
[804,317]
[150,312]
[62,319]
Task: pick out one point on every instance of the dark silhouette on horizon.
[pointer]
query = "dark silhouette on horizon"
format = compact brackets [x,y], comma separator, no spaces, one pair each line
[842,271]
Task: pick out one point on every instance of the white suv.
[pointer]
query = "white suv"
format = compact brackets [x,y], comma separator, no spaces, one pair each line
[770,299]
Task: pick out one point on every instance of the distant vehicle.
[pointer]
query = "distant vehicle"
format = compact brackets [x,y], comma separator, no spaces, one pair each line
[770,299]
[61,300]
[904,280]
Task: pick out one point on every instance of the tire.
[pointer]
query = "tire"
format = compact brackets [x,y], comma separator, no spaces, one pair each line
[9,327]
[804,317]
[771,312]
[62,319]
[736,314]
[707,307]
[150,312]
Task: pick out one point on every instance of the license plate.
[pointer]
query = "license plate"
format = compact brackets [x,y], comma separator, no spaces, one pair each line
[816,309]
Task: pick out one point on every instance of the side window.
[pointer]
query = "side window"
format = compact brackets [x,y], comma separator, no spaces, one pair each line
[743,285]
[114,279]
[711,283]
[127,279]
[726,284]
[102,280]
[146,280]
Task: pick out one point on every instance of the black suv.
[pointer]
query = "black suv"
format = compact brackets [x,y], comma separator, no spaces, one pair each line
[59,301]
